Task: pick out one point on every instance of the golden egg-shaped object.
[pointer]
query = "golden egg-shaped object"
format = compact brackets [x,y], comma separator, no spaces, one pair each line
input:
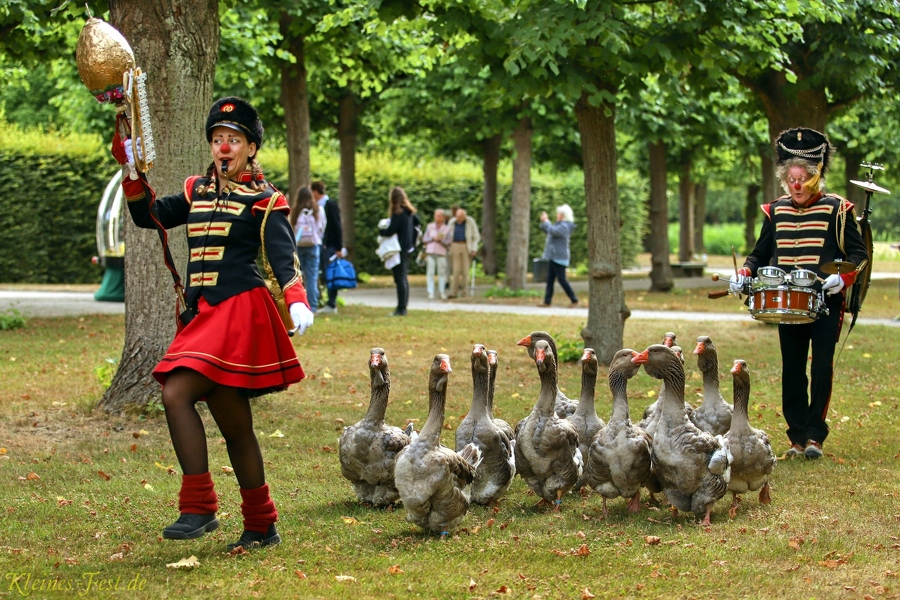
[103,55]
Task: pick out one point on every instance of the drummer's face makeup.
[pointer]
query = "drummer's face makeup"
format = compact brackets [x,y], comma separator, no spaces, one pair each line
[232,146]
[797,176]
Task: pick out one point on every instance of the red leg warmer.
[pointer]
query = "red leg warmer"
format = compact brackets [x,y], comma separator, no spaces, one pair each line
[258,509]
[197,495]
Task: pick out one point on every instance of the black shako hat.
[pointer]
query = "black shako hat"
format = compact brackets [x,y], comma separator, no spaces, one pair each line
[238,114]
[808,144]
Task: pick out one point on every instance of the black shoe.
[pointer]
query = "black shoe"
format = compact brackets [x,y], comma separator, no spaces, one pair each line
[190,526]
[255,539]
[813,450]
[399,313]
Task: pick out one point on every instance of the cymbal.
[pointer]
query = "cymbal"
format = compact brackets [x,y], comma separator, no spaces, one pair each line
[869,186]
[838,267]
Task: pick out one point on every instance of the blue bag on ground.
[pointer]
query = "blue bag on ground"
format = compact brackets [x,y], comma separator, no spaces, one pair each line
[340,275]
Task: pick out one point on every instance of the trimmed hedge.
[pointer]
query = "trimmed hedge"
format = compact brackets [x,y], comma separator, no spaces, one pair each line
[50,187]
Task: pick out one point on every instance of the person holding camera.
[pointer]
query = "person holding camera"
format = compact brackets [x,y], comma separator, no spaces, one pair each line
[556,252]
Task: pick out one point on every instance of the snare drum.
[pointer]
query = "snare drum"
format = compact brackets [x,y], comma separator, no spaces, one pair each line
[770,276]
[785,304]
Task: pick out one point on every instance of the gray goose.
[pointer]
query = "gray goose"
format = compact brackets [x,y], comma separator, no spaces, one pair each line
[753,459]
[498,466]
[585,418]
[563,405]
[547,455]
[618,463]
[368,449]
[714,414]
[692,466]
[493,361]
[669,340]
[650,422]
[432,479]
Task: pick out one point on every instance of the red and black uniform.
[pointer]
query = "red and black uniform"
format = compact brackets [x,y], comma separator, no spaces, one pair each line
[806,238]
[237,338]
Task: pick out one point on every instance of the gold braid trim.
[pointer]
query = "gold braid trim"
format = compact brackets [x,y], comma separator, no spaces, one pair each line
[271,282]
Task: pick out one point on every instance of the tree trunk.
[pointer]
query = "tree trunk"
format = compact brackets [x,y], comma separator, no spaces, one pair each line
[347,131]
[789,105]
[699,216]
[520,208]
[660,269]
[855,194]
[295,102]
[176,43]
[607,311]
[751,208]
[770,187]
[685,213]
[489,205]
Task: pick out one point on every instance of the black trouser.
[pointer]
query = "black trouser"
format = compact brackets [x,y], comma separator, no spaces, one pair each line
[325,253]
[557,271]
[401,280]
[805,417]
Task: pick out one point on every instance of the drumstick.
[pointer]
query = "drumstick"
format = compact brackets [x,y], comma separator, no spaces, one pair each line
[734,258]
[719,294]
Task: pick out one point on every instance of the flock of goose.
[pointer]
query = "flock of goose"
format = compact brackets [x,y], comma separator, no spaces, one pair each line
[692,455]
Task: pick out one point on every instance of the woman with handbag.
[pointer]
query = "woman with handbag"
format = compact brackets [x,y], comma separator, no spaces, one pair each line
[403,222]
[308,222]
[232,343]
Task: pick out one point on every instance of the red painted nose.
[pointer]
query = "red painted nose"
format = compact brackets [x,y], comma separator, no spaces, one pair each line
[797,186]
[225,148]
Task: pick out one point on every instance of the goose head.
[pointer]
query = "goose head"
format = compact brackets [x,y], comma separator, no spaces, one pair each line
[378,367]
[440,372]
[658,360]
[544,357]
[669,339]
[480,359]
[622,363]
[706,353]
[589,363]
[533,338]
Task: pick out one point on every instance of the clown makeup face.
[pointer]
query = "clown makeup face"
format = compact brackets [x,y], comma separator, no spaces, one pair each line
[231,146]
[796,178]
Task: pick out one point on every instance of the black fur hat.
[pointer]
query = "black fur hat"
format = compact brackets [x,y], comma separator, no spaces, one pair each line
[238,114]
[804,143]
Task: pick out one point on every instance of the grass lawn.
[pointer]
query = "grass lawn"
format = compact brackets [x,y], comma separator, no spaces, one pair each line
[85,493]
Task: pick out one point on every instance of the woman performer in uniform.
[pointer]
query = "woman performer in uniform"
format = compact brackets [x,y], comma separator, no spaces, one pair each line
[231,344]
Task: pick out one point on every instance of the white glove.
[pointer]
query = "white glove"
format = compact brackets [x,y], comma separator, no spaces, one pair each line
[302,316]
[833,284]
[130,148]
[736,283]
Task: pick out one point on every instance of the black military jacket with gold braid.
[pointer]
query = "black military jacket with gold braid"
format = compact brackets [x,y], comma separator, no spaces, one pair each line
[806,238]
[224,235]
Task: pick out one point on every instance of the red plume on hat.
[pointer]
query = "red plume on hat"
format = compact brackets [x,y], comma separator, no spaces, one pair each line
[803,143]
[238,114]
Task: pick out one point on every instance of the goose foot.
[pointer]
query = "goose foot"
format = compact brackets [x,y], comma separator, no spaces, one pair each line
[674,511]
[733,510]
[556,505]
[634,505]
[706,522]
[605,511]
[764,496]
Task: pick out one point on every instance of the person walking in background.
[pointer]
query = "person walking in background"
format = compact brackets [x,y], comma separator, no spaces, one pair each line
[231,344]
[435,240]
[308,222]
[556,252]
[464,239]
[332,239]
[403,221]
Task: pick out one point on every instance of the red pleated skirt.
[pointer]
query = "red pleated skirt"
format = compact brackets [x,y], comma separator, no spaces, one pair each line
[240,342]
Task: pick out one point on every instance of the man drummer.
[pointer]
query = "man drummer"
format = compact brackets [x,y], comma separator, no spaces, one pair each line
[805,229]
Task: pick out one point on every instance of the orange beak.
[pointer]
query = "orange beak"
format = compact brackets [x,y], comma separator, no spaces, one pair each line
[642,358]
[585,356]
[477,349]
[736,368]
[445,365]
[525,341]
[700,349]
[492,359]
[539,356]
[375,360]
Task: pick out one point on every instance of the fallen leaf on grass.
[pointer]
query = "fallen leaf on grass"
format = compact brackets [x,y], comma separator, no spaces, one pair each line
[651,540]
[502,590]
[349,521]
[586,594]
[472,584]
[344,578]
[185,563]
[62,501]
[395,570]
[795,542]
[32,476]
[104,476]
[163,467]
[228,470]
[276,433]
[117,557]
[582,551]
[148,487]
[300,574]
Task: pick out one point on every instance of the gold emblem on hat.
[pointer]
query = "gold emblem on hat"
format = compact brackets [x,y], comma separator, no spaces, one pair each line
[227,107]
[799,136]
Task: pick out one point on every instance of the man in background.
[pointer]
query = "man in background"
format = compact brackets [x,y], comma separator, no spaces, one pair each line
[464,239]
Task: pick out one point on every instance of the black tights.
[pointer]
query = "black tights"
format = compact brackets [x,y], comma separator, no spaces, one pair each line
[231,411]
